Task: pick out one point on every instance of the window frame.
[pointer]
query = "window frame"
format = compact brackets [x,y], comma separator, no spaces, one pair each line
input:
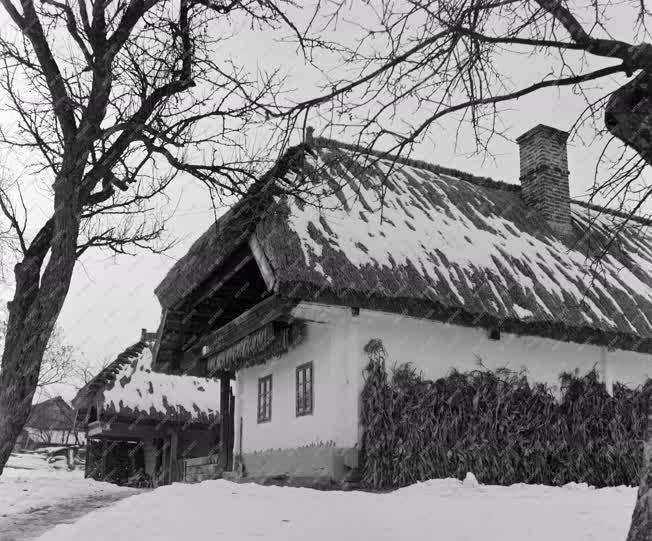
[307,391]
[264,409]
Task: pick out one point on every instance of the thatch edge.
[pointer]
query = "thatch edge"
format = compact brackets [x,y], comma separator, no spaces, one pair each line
[234,357]
[435,311]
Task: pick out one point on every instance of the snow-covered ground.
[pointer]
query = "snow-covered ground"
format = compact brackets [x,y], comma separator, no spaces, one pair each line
[30,482]
[443,509]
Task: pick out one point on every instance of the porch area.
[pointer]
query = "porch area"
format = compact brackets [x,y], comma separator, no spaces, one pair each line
[151,455]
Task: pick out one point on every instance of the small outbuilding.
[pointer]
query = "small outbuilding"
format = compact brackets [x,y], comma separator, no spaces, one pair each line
[51,422]
[149,428]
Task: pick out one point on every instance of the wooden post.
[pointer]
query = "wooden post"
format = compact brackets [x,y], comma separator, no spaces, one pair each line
[165,462]
[227,403]
[91,459]
[103,469]
[225,385]
[70,458]
[230,431]
[149,456]
[240,462]
[174,443]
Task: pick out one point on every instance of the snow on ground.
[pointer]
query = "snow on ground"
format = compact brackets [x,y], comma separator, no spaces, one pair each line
[440,509]
[30,482]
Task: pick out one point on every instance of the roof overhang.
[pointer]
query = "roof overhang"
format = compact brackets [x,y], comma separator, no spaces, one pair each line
[266,329]
[272,309]
[243,279]
[430,309]
[125,431]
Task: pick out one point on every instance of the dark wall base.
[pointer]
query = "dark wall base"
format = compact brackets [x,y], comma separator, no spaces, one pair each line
[302,466]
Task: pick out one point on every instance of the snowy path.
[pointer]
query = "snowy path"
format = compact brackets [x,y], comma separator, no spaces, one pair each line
[36,495]
[30,524]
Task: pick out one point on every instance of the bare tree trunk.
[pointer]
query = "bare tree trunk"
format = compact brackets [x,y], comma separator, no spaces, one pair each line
[641,525]
[38,298]
[18,383]
[21,363]
[628,115]
[17,386]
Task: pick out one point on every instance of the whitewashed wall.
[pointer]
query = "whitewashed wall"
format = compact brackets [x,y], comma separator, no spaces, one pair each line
[286,430]
[435,348]
[336,343]
[58,437]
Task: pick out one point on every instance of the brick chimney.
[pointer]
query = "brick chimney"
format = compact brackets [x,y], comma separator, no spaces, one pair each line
[147,336]
[544,175]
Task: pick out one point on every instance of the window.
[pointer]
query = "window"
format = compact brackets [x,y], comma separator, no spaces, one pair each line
[265,399]
[304,389]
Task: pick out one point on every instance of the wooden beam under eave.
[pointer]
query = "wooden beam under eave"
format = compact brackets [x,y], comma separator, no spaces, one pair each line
[266,311]
[194,335]
[263,263]
[126,431]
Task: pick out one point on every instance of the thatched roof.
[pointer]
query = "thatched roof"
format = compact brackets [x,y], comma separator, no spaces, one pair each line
[128,388]
[52,414]
[447,245]
[228,233]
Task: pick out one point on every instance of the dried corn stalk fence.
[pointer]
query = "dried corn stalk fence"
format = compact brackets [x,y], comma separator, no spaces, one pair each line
[498,426]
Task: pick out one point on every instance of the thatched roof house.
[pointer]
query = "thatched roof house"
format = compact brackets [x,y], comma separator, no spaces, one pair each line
[436,262]
[449,246]
[52,414]
[51,422]
[169,417]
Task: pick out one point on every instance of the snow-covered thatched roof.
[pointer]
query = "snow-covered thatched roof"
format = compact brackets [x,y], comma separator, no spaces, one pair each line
[52,414]
[129,388]
[447,245]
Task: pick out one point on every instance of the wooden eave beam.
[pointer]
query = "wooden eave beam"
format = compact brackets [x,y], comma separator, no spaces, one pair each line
[122,430]
[227,313]
[263,263]
[273,308]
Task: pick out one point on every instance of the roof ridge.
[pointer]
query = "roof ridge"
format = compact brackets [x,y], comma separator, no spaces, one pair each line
[65,408]
[615,212]
[420,164]
[108,373]
[468,177]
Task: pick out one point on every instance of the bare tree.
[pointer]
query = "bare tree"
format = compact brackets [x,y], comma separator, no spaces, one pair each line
[84,370]
[108,101]
[59,359]
[415,63]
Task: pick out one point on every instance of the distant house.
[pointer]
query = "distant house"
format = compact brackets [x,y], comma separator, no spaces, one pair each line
[50,423]
[139,421]
[282,296]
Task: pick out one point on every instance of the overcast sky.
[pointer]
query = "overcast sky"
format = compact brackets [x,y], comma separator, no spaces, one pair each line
[111,299]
